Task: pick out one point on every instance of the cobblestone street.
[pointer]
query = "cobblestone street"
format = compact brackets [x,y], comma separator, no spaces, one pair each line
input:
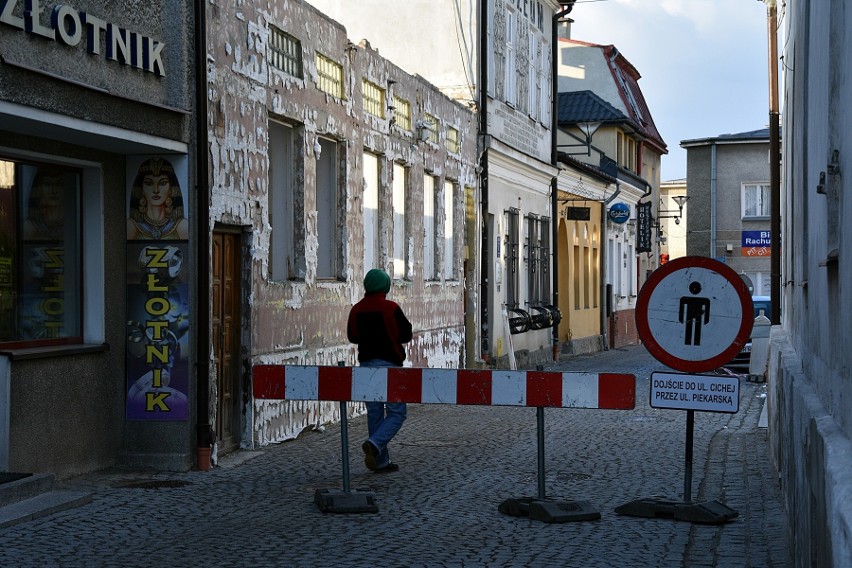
[457,465]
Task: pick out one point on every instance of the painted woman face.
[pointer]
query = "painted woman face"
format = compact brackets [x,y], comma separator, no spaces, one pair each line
[156,189]
[51,190]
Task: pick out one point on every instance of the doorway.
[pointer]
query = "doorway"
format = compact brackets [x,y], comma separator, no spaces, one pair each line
[225,323]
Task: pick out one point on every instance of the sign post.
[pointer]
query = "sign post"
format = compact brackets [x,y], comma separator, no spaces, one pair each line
[693,315]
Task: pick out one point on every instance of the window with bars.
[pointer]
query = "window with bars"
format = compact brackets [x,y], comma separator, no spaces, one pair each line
[538,260]
[402,113]
[330,76]
[374,98]
[433,128]
[452,141]
[755,200]
[285,52]
[513,217]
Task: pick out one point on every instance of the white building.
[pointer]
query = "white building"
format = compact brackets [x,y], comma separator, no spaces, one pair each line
[810,401]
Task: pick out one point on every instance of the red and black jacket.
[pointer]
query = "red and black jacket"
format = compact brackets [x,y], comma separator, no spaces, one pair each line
[379,328]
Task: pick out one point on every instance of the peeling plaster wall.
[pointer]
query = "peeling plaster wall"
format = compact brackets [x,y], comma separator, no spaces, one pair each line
[303,320]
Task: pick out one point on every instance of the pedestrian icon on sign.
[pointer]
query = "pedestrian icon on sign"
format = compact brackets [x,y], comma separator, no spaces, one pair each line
[696,310]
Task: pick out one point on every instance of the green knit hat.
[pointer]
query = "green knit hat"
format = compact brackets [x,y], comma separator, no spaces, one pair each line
[377,281]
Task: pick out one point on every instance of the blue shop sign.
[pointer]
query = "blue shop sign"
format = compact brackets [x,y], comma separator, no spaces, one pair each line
[619,213]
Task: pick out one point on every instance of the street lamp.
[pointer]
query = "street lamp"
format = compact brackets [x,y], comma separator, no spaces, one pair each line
[673,214]
[588,129]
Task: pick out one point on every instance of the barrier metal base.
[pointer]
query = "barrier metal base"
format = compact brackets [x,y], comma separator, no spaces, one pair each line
[706,512]
[355,501]
[548,511]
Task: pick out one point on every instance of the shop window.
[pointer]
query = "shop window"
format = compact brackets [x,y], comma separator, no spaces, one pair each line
[328,203]
[285,52]
[429,231]
[40,254]
[398,199]
[286,198]
[372,185]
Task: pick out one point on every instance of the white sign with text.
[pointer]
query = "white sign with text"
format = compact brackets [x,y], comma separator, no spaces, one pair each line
[707,393]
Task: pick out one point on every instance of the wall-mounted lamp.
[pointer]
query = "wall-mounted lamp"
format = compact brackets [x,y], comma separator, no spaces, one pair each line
[673,214]
[588,129]
[424,130]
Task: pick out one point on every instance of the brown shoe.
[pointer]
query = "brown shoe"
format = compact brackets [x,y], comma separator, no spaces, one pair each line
[371,454]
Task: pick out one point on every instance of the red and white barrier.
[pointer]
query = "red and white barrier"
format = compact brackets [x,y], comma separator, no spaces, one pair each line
[614,391]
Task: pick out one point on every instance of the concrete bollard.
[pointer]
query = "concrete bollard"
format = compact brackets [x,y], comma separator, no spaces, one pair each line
[759,348]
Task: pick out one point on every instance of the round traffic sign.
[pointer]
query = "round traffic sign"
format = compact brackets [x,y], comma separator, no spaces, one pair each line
[694,314]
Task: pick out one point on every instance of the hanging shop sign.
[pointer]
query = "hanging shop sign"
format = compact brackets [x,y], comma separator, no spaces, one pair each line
[157,342]
[619,213]
[70,26]
[643,227]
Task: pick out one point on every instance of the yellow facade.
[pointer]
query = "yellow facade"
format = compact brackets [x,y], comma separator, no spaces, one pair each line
[579,249]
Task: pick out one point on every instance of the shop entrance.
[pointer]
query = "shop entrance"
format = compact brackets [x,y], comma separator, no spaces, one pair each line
[225,298]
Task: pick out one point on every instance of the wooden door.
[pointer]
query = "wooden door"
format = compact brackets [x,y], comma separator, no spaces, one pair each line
[226,337]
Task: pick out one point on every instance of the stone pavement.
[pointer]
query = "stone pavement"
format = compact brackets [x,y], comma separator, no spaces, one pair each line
[457,465]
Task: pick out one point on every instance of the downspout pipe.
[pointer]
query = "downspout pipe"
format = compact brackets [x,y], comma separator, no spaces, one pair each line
[485,257]
[604,259]
[554,160]
[204,431]
[774,168]
[713,200]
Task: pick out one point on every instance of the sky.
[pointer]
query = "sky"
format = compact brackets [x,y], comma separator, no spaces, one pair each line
[704,63]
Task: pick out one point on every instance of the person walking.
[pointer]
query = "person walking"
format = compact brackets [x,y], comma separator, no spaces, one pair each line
[379,328]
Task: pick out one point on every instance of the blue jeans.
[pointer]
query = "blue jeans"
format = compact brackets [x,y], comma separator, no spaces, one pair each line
[384,419]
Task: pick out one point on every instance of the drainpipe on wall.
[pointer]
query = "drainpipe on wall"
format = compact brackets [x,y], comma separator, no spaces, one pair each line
[485,257]
[713,200]
[204,432]
[554,160]
[774,168]
[604,276]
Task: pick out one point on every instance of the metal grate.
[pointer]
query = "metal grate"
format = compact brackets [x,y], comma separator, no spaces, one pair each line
[285,52]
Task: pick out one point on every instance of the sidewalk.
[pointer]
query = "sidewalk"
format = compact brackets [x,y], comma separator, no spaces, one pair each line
[457,465]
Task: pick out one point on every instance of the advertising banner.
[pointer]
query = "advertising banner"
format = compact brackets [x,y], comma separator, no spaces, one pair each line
[643,228]
[157,332]
[756,243]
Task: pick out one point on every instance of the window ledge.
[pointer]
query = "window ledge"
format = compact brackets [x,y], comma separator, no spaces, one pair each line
[53,351]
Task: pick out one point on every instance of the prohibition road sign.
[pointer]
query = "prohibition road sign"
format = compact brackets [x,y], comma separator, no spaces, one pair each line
[694,314]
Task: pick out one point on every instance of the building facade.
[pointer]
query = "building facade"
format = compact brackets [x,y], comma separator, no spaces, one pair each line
[326,160]
[672,226]
[97,250]
[602,108]
[810,391]
[728,210]
[496,57]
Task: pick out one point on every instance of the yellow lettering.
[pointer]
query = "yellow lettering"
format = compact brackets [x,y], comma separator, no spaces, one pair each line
[157,306]
[58,284]
[157,327]
[161,354]
[156,256]
[153,279]
[158,378]
[53,306]
[55,258]
[156,399]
